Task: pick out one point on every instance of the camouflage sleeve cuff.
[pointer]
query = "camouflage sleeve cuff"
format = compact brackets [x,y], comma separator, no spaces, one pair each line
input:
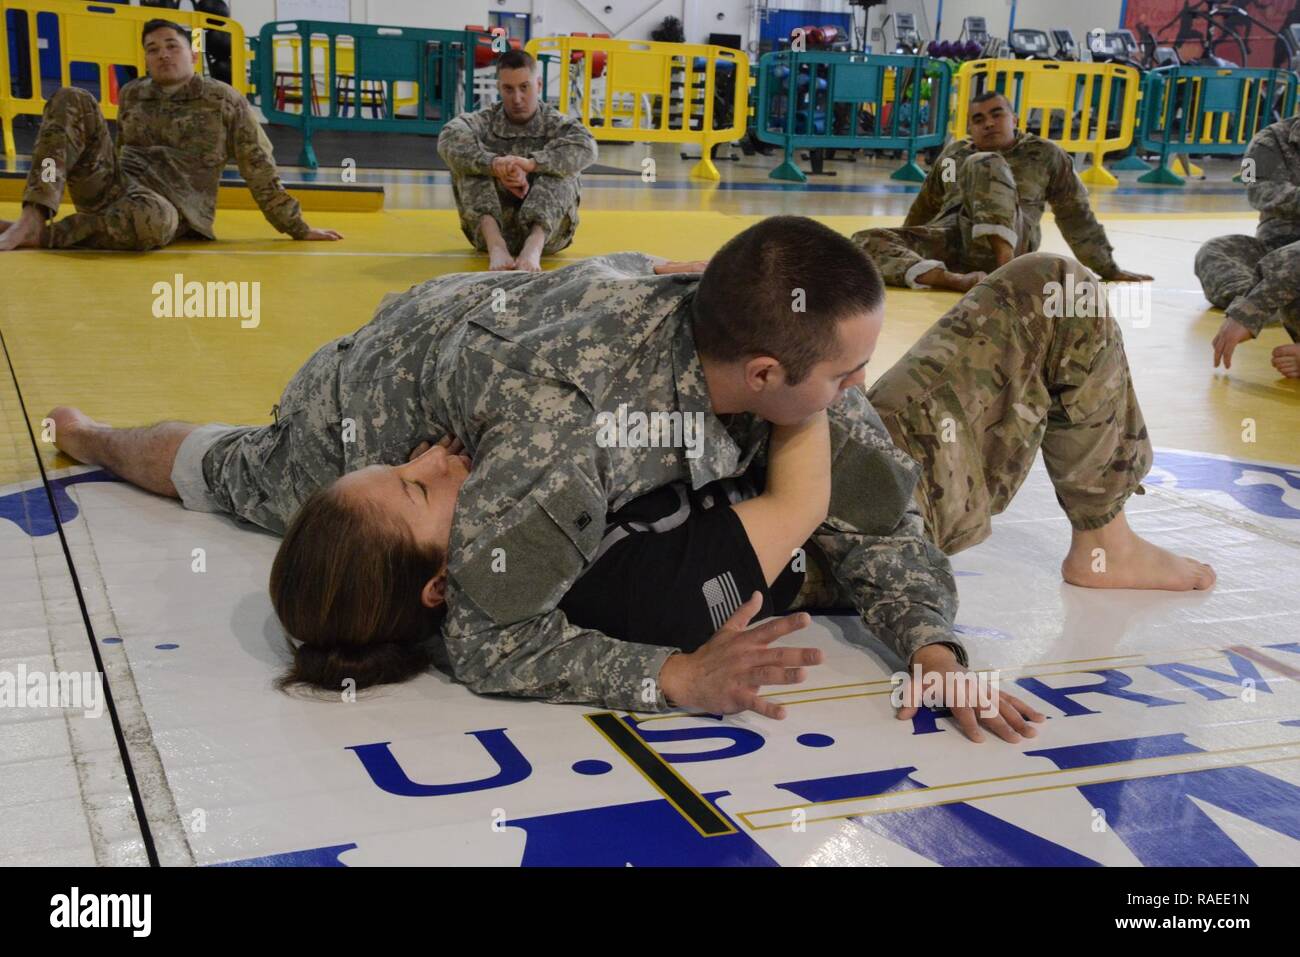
[923,626]
[549,164]
[298,229]
[1242,310]
[639,688]
[993,229]
[543,161]
[920,269]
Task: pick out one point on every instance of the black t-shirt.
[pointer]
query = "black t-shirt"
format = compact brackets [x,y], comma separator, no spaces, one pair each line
[673,566]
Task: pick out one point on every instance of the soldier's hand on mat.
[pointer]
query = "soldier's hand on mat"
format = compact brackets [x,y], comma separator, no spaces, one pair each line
[724,675]
[1008,723]
[1230,335]
[694,265]
[321,235]
[1123,275]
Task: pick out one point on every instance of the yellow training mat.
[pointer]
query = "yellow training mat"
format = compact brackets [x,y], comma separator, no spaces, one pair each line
[312,197]
[81,330]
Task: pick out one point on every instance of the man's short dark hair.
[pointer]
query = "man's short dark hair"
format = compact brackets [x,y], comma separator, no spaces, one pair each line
[988,95]
[516,60]
[746,301]
[159,24]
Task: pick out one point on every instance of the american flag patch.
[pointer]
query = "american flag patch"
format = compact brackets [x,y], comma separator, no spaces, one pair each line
[723,598]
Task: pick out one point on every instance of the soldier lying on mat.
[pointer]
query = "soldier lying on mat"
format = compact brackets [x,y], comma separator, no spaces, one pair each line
[372,560]
[514,170]
[176,132]
[981,204]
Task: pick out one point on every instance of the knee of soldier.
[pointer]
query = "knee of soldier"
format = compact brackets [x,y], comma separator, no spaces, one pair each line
[1036,269]
[1052,288]
[1213,252]
[71,97]
[553,190]
[987,166]
[155,222]
[474,189]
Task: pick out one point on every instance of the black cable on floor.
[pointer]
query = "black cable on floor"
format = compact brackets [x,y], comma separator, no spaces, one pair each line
[145,833]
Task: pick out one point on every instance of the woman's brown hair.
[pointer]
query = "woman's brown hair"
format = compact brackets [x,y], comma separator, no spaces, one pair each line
[346,583]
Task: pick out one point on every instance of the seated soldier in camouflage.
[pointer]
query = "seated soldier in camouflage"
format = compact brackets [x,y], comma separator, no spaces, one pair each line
[514,170]
[176,132]
[377,547]
[981,205]
[1256,279]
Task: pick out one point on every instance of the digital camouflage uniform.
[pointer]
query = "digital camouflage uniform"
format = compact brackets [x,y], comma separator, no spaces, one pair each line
[520,377]
[981,194]
[162,178]
[562,148]
[1257,279]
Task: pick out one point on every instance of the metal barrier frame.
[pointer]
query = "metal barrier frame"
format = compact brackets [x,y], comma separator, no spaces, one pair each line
[456,80]
[1170,90]
[904,98]
[707,137]
[1093,103]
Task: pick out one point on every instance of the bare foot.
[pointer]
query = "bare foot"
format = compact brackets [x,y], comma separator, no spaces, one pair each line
[5,224]
[530,257]
[1117,557]
[71,429]
[966,281]
[27,232]
[1286,360]
[499,259]
[938,278]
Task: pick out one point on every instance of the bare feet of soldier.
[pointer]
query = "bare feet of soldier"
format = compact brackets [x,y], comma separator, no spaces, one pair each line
[27,232]
[499,258]
[72,429]
[530,257]
[1115,556]
[938,278]
[1286,360]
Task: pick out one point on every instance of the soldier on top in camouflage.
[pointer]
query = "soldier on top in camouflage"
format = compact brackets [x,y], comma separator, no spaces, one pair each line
[981,204]
[514,170]
[176,132]
[498,547]
[1256,279]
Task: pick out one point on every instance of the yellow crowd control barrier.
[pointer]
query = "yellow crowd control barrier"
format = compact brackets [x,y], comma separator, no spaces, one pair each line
[1082,107]
[104,35]
[653,92]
